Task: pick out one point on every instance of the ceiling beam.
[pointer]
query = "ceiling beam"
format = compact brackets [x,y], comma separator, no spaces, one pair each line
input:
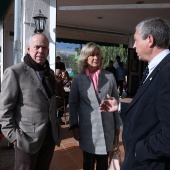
[120,6]
[92,30]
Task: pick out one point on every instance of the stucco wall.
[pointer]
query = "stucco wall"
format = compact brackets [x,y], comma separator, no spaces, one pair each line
[31,9]
[8,37]
[48,9]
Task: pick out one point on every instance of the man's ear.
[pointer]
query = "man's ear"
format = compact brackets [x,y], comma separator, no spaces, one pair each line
[151,41]
[28,49]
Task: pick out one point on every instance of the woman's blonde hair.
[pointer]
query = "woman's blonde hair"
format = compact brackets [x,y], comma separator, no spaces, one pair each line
[86,51]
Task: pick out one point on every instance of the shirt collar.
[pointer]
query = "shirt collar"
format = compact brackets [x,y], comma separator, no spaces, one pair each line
[157,59]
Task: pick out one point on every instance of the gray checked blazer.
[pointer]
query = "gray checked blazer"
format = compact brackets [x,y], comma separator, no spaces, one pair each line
[25,110]
[96,128]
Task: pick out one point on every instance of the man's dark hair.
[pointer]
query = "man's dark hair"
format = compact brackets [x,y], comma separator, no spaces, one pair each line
[117,57]
[111,62]
[58,57]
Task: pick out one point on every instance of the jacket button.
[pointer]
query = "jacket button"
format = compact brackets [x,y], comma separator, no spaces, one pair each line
[135,154]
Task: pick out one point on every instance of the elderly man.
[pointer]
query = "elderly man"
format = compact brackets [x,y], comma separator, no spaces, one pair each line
[28,107]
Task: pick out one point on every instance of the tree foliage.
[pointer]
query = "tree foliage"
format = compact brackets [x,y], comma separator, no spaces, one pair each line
[109,53]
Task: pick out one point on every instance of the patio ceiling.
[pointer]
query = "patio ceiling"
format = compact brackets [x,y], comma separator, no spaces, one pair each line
[117,17]
[102,19]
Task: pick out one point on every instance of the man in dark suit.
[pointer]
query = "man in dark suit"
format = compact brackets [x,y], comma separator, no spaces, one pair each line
[28,107]
[146,122]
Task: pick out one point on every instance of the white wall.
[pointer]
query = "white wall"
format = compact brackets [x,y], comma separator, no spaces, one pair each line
[1,50]
[29,9]
[8,40]
[52,35]
[48,9]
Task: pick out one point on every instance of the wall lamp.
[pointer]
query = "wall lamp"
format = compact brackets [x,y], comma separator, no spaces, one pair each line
[40,22]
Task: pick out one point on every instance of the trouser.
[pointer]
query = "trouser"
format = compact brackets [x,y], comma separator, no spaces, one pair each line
[38,161]
[89,161]
[120,86]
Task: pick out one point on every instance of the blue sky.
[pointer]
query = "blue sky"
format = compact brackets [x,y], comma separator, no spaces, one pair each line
[66,46]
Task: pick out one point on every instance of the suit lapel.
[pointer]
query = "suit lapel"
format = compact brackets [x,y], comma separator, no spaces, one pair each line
[88,85]
[30,73]
[102,81]
[148,81]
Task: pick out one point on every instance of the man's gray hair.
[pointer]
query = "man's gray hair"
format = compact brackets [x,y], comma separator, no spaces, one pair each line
[29,41]
[158,28]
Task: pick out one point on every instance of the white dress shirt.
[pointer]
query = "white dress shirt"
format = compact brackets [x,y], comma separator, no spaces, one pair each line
[156,60]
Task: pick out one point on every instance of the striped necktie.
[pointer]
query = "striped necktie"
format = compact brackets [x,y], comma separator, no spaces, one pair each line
[145,74]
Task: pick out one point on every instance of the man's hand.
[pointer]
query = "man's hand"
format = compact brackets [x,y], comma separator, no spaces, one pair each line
[109,105]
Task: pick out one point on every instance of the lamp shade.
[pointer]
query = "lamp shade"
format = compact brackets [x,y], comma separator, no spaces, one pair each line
[40,21]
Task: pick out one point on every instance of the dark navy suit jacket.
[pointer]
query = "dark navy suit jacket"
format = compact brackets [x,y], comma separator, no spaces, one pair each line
[146,123]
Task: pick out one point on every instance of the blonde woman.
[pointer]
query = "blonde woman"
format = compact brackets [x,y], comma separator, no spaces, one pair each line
[95,130]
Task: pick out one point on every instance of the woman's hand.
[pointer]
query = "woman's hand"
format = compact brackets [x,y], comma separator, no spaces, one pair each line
[109,105]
